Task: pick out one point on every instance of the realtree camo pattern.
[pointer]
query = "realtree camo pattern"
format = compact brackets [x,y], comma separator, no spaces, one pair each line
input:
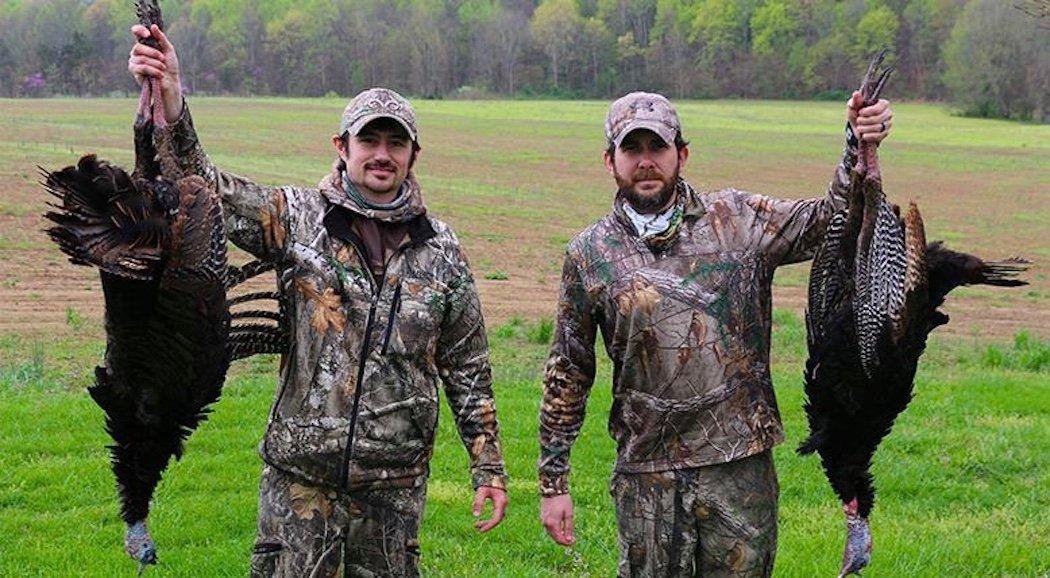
[377,347]
[715,521]
[319,532]
[686,320]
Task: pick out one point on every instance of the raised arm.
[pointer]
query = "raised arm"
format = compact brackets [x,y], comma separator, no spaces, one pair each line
[787,231]
[256,215]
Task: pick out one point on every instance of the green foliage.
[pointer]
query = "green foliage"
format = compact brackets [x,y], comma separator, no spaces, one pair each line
[74,319]
[19,374]
[1027,353]
[551,48]
[542,331]
[875,31]
[998,62]
[497,275]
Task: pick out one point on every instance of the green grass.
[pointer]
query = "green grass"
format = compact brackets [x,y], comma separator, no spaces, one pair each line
[962,479]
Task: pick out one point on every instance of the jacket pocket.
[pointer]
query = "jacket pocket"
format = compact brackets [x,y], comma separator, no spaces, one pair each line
[397,434]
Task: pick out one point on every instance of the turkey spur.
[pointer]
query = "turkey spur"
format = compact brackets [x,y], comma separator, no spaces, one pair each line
[874,292]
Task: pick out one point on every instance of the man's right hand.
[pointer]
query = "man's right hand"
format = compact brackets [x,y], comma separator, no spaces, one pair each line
[556,516]
[145,62]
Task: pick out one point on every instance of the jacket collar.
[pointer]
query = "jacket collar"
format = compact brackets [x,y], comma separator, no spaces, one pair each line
[337,223]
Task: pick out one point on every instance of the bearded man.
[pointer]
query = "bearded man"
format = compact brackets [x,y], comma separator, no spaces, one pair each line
[383,306]
[680,284]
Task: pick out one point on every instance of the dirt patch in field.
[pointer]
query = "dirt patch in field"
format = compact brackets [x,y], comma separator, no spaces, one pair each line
[515,201]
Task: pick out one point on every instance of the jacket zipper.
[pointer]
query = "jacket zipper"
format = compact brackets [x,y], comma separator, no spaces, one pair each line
[348,453]
[395,307]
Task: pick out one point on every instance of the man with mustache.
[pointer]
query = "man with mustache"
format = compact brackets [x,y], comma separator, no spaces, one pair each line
[679,283]
[382,306]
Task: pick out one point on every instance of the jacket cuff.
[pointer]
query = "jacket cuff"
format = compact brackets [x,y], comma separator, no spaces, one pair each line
[492,479]
[182,132]
[553,485]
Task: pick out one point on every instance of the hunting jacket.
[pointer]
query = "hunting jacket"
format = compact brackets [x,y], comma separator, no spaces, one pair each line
[685,318]
[357,402]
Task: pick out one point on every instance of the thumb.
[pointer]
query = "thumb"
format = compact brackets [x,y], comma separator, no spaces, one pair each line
[479,502]
[162,39]
[855,100]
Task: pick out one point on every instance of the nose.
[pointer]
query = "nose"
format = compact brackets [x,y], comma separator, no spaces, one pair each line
[646,161]
[382,152]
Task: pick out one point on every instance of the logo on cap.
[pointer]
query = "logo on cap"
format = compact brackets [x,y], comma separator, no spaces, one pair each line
[641,110]
[377,103]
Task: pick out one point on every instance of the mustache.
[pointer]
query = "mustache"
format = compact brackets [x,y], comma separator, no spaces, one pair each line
[386,165]
[651,174]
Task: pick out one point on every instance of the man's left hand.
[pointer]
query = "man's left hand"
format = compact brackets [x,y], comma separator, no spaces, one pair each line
[870,123]
[498,498]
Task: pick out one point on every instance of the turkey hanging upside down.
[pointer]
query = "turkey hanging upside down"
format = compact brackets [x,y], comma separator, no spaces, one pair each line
[874,290]
[159,242]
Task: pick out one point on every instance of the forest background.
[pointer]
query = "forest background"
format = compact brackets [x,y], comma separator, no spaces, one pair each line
[985,57]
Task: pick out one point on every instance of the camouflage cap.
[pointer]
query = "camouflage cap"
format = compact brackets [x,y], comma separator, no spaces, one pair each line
[646,110]
[378,103]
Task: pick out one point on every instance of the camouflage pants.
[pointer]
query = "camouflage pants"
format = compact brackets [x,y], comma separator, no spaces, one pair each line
[711,521]
[307,531]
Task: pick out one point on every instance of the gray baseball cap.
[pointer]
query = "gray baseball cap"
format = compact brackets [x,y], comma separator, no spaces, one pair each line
[378,103]
[637,110]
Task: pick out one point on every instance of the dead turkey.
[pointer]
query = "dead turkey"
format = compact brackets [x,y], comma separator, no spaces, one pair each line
[874,292]
[159,243]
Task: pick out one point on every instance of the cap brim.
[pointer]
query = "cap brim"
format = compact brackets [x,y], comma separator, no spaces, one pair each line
[662,130]
[356,127]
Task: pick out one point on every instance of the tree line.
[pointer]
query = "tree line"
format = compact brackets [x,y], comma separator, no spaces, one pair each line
[988,57]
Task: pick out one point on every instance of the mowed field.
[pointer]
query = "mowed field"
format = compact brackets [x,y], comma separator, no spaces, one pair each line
[518,179]
[964,479]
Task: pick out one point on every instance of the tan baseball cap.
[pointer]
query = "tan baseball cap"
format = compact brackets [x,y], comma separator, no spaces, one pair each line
[637,110]
[378,103]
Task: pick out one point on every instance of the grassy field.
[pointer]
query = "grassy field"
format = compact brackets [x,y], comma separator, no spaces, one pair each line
[964,480]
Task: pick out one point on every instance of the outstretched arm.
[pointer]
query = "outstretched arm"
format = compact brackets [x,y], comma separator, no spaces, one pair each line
[788,231]
[256,215]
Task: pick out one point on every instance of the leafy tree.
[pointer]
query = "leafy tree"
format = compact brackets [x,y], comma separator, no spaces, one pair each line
[554,25]
[998,62]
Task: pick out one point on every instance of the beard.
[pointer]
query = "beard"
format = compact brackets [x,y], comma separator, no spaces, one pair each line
[645,202]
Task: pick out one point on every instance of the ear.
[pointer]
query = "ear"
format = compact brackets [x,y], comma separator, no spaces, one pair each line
[340,146]
[415,156]
[609,162]
[683,155]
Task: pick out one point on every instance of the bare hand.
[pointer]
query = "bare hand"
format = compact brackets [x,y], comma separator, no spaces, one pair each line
[498,498]
[556,516]
[870,123]
[163,65]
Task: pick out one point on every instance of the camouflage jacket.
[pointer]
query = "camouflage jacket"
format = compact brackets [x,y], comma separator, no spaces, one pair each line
[685,318]
[357,402]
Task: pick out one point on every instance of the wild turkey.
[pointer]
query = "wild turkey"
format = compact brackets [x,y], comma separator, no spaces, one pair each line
[160,246]
[874,290]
